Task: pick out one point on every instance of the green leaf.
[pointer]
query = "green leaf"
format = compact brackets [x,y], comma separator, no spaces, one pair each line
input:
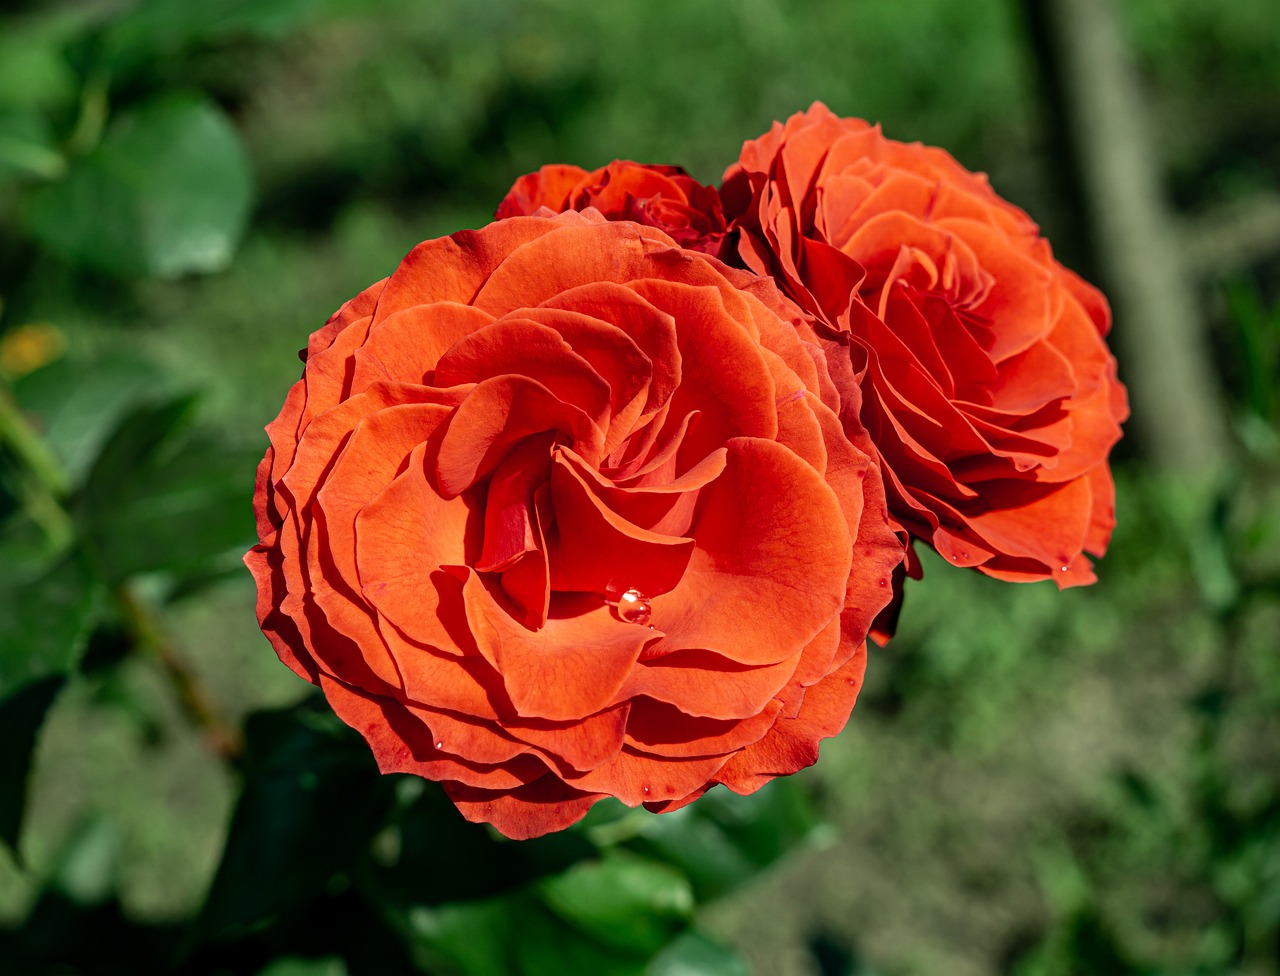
[155,501]
[724,839]
[444,858]
[136,447]
[510,936]
[474,938]
[312,800]
[623,900]
[44,622]
[25,548]
[33,72]
[27,147]
[543,944]
[606,917]
[21,716]
[87,868]
[75,405]
[296,966]
[700,847]
[693,954]
[767,824]
[166,193]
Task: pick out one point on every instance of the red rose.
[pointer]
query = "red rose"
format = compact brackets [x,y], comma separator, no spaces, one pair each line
[665,197]
[975,360]
[561,511]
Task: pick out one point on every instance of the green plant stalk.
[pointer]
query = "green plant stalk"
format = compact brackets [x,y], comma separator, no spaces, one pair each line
[46,488]
[92,118]
[149,633]
[32,158]
[45,484]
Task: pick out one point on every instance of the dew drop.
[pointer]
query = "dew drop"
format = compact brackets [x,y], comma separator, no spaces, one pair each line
[884,582]
[646,791]
[439,745]
[634,607]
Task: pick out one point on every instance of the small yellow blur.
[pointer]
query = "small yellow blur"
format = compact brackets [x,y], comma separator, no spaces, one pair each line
[26,348]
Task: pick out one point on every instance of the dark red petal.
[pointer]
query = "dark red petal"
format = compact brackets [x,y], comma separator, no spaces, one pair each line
[543,806]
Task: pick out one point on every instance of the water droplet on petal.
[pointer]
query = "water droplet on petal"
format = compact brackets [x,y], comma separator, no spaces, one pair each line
[646,791]
[884,582]
[634,607]
[439,745]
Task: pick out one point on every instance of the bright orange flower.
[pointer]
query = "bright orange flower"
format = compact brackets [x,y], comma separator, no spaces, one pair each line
[974,359]
[562,511]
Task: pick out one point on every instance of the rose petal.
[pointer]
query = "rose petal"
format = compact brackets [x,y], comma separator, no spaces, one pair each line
[538,808]
[792,743]
[767,521]
[663,730]
[514,345]
[635,777]
[402,743]
[581,744]
[570,668]
[663,507]
[402,536]
[496,416]
[596,550]
[705,684]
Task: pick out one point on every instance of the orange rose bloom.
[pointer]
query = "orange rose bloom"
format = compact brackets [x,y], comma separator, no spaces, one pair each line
[974,359]
[561,511]
[665,197]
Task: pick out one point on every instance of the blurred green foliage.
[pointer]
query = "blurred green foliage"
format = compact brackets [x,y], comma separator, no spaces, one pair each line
[1035,782]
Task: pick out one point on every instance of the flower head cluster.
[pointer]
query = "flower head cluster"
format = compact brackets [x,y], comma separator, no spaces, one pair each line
[605,503]
[978,362]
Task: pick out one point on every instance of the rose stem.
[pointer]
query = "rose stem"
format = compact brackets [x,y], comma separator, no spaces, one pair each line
[149,633]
